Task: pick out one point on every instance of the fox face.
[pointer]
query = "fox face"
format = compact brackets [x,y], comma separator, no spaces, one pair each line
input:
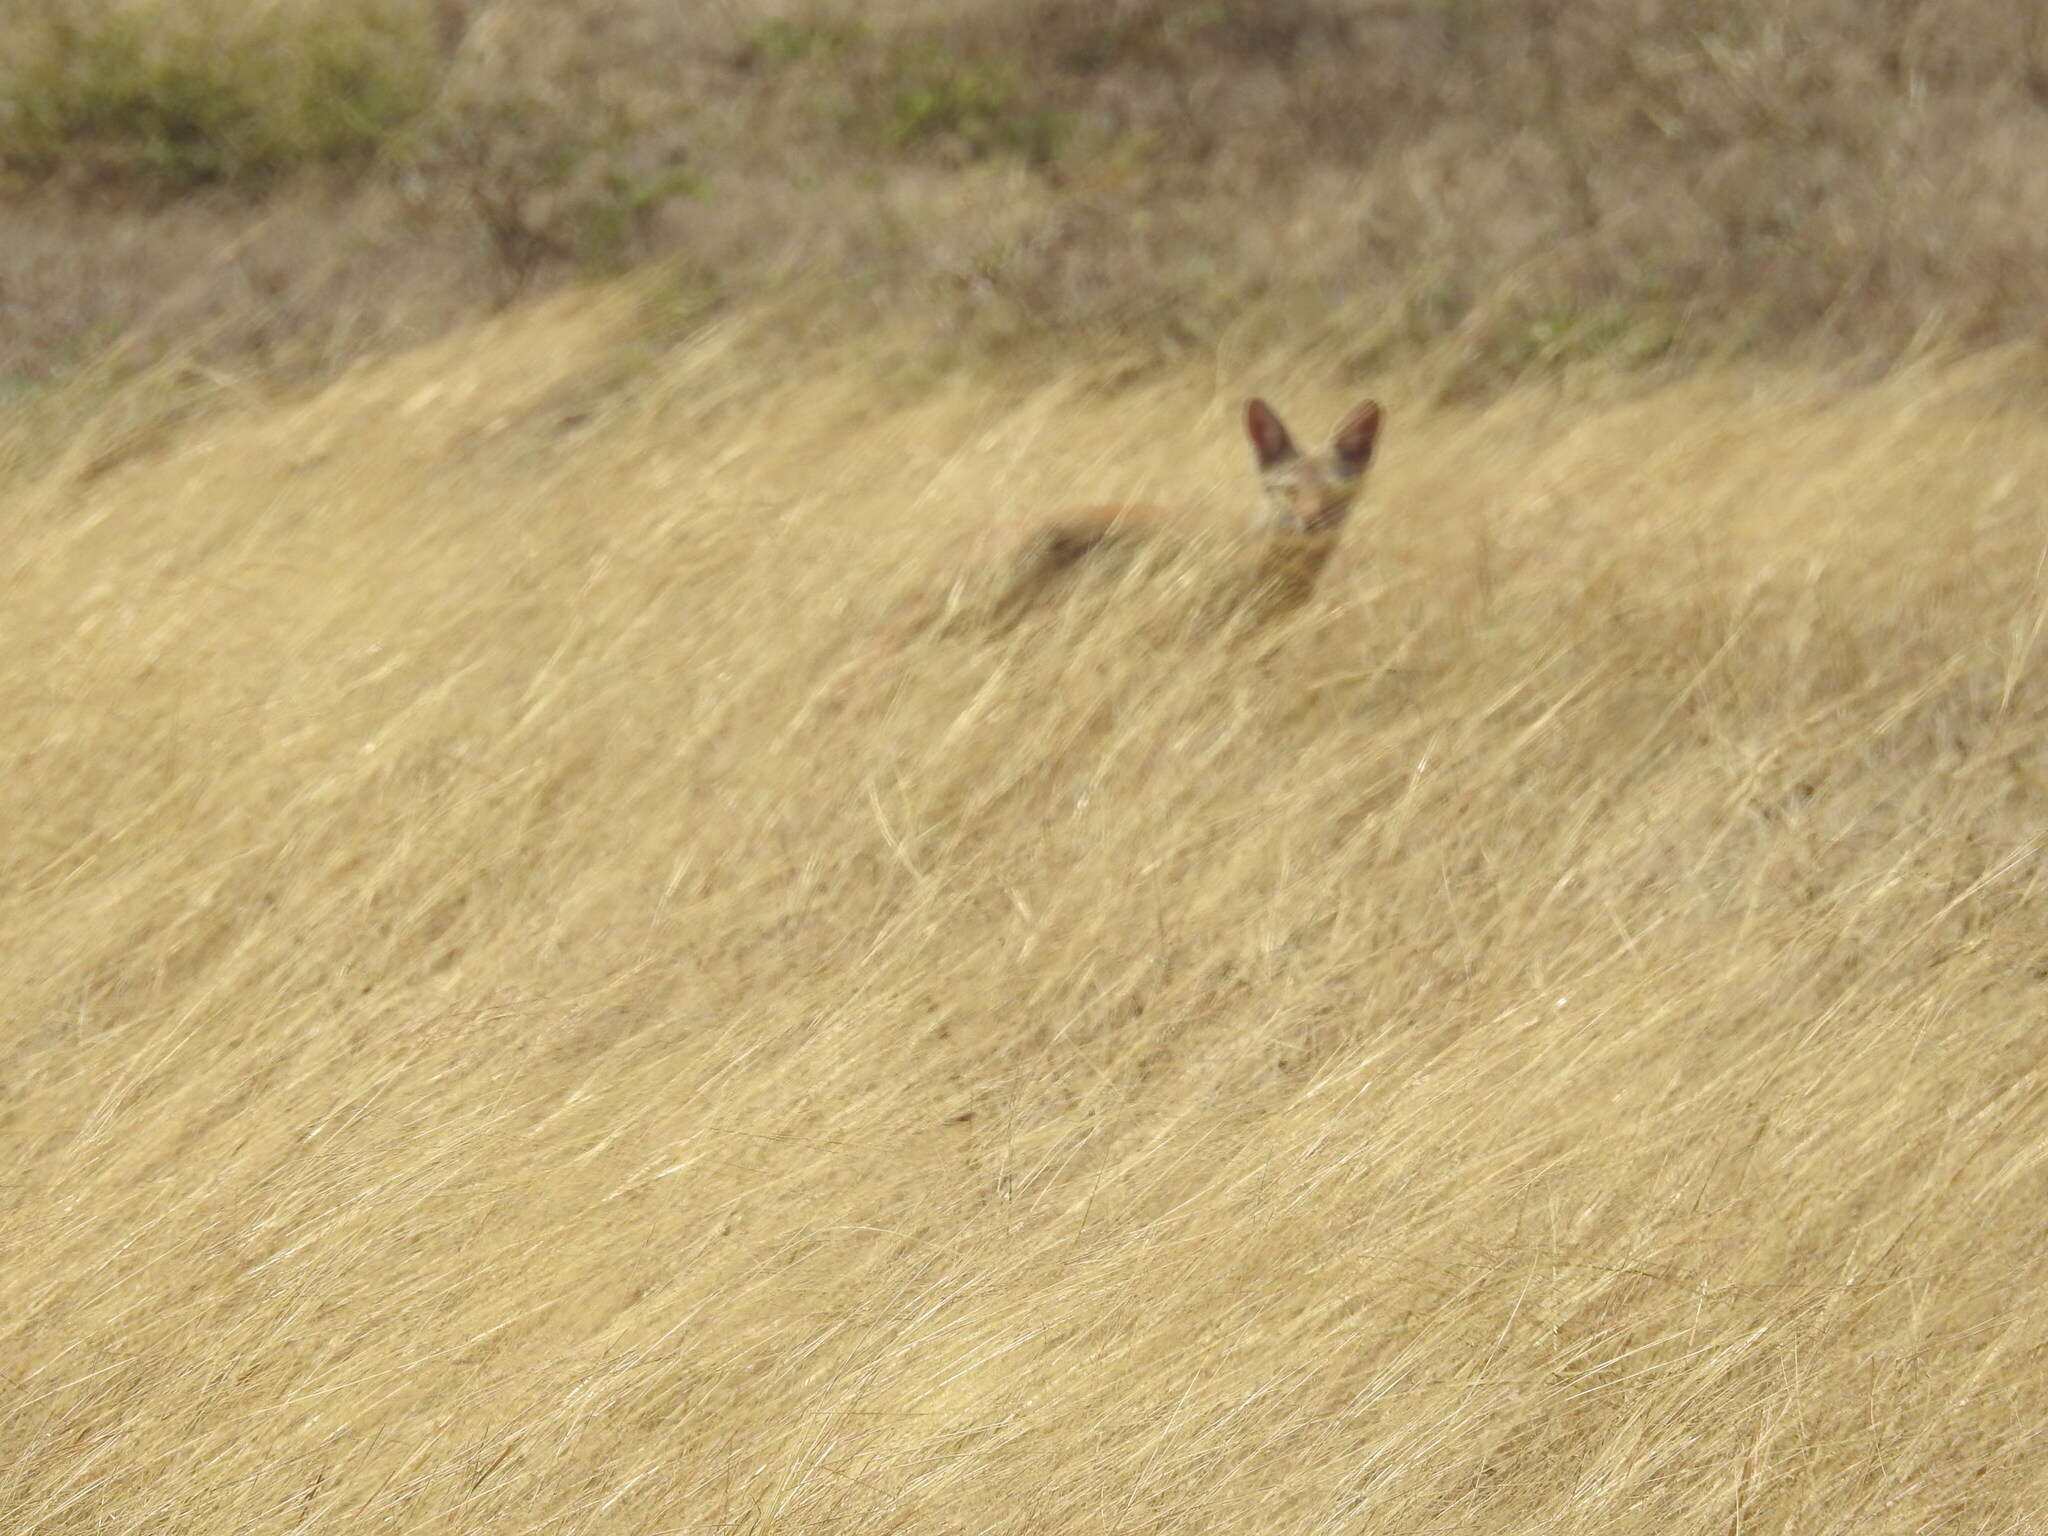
[1309,495]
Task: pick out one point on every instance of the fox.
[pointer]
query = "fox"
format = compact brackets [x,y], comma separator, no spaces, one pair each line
[1304,501]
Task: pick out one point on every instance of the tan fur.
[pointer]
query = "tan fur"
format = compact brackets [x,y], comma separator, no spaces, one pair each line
[1270,569]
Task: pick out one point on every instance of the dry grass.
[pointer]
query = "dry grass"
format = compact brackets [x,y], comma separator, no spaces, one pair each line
[1554,1045]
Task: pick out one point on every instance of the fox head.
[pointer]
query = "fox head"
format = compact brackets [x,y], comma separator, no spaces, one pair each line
[1310,494]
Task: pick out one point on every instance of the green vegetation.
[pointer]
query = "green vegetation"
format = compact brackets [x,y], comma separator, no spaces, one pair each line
[170,101]
[783,41]
[973,108]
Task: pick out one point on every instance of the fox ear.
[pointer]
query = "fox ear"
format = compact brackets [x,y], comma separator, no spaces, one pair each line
[1357,435]
[1269,438]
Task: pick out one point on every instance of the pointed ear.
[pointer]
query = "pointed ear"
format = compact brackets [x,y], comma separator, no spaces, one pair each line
[1356,436]
[1269,437]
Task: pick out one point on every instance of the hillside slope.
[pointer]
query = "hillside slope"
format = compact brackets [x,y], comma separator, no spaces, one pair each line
[497,1042]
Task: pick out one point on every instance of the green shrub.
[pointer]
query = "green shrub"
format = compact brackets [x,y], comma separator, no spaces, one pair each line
[786,41]
[975,109]
[181,100]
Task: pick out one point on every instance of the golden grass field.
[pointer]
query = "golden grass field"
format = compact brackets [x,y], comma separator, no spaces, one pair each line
[502,1037]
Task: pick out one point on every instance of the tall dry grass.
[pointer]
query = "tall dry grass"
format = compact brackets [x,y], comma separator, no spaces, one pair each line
[1553,1043]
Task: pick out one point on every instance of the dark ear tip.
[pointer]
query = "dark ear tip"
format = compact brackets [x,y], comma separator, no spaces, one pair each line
[1359,433]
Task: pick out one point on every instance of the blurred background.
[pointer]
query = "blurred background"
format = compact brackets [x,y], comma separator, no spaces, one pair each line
[283,184]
